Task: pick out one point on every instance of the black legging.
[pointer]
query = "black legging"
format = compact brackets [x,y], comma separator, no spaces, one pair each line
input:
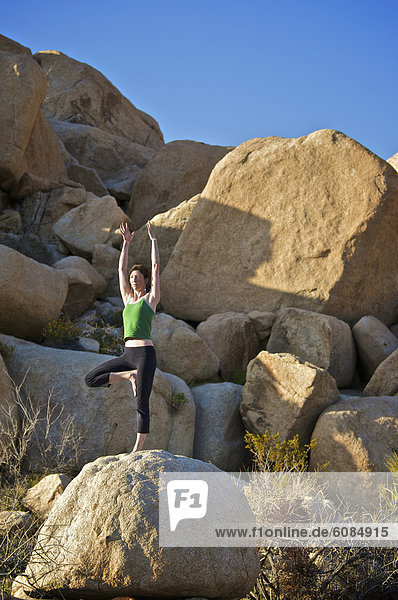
[142,359]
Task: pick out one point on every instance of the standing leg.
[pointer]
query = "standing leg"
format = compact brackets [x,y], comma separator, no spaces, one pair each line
[145,358]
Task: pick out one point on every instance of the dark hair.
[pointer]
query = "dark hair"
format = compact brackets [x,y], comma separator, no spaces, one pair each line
[145,272]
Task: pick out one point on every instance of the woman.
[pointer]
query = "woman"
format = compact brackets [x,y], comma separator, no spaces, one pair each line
[138,362]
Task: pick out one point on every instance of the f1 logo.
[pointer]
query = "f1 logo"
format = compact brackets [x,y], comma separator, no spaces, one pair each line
[187,499]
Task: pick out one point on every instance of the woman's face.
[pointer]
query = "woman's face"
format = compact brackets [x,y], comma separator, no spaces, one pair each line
[137,281]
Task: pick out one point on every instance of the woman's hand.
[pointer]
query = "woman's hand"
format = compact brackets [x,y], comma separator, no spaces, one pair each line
[126,233]
[150,233]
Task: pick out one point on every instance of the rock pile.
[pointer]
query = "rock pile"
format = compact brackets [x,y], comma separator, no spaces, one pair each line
[279,314]
[274,258]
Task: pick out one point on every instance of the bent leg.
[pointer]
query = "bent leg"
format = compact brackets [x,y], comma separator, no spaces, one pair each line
[99,376]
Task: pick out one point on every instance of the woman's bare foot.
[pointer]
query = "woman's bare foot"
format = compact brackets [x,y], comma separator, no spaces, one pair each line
[133,379]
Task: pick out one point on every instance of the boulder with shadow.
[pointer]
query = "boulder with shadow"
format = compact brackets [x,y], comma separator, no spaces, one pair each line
[290,223]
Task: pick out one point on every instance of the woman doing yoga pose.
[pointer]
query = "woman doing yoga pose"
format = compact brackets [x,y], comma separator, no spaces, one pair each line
[138,362]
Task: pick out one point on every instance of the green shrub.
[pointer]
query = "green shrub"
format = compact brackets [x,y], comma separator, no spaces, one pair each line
[392,463]
[61,332]
[178,400]
[271,454]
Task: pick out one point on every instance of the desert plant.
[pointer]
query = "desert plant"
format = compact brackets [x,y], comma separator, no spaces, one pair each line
[61,332]
[392,462]
[33,427]
[271,454]
[329,573]
[178,399]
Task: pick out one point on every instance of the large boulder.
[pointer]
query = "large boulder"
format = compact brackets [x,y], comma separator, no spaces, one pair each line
[167,227]
[85,422]
[108,520]
[111,156]
[290,222]
[284,394]
[356,434]
[98,281]
[374,342]
[219,430]
[181,351]
[27,141]
[31,294]
[79,93]
[384,381]
[179,171]
[319,339]
[232,338]
[93,222]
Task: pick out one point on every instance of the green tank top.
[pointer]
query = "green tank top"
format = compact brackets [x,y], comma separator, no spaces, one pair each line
[137,320]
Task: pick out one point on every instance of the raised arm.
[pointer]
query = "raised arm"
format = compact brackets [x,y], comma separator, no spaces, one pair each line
[124,283]
[154,295]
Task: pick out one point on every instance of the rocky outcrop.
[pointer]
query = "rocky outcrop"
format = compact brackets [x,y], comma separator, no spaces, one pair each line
[78,93]
[356,434]
[181,351]
[41,497]
[374,342]
[27,143]
[219,429]
[384,381]
[232,338]
[91,422]
[111,156]
[108,520]
[177,172]
[285,395]
[167,227]
[31,294]
[290,222]
[319,339]
[93,222]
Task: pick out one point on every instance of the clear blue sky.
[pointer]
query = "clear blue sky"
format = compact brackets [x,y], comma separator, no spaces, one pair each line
[224,71]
